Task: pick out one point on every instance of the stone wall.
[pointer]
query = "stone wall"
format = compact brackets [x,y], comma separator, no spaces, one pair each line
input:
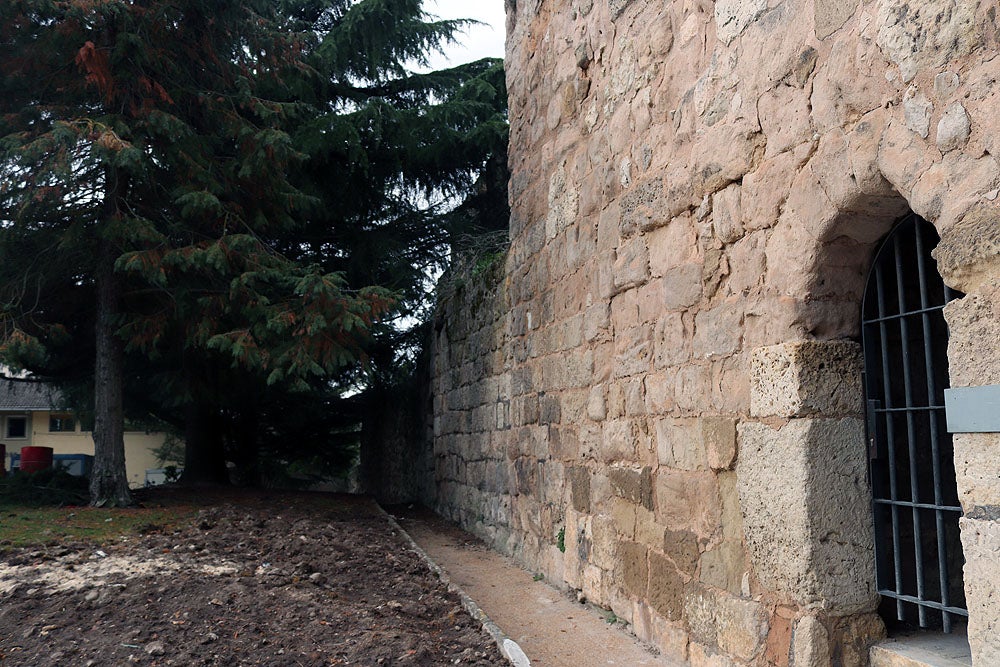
[658,402]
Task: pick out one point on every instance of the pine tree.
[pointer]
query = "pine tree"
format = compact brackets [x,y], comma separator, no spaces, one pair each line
[222,193]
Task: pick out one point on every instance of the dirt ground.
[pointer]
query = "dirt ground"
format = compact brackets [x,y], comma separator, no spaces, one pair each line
[290,579]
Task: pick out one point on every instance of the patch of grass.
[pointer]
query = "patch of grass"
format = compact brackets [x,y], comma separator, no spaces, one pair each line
[22,526]
[561,539]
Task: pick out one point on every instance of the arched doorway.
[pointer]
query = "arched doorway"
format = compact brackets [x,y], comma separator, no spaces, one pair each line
[918,554]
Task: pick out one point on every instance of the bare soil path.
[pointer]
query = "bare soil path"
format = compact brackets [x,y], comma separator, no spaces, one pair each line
[552,629]
[255,579]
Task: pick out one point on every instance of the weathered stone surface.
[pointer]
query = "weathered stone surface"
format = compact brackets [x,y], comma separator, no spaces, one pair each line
[797,379]
[682,548]
[703,656]
[580,489]
[718,434]
[688,501]
[972,320]
[717,332]
[680,445]
[981,544]
[810,643]
[691,182]
[724,565]
[918,109]
[633,485]
[831,16]
[666,587]
[635,567]
[806,511]
[923,34]
[738,627]
[968,251]
[977,470]
[953,129]
[733,16]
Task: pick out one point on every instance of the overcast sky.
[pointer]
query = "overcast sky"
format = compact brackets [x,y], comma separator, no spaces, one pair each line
[477,42]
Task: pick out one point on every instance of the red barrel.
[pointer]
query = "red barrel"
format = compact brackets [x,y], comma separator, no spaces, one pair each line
[3,460]
[34,459]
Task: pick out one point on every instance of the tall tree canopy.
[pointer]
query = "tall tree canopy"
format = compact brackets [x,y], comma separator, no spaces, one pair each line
[219,201]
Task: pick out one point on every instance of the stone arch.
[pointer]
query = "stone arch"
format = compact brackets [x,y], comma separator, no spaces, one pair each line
[806,391]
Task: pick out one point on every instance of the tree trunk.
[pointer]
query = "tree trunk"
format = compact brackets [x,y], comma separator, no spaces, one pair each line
[109,481]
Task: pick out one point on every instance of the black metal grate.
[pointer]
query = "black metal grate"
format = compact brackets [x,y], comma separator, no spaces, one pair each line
[918,553]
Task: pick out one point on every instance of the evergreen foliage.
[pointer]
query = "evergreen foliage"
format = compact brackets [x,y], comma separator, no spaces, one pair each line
[227,203]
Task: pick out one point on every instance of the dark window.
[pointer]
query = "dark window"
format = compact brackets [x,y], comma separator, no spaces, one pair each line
[17,427]
[61,424]
[917,548]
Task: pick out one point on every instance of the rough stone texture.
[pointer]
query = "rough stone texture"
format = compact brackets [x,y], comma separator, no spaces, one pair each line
[810,643]
[735,626]
[981,543]
[798,379]
[697,189]
[806,512]
[832,15]
[953,129]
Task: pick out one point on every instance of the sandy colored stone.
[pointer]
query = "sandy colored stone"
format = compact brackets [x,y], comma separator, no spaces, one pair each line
[918,109]
[953,129]
[971,320]
[923,34]
[736,626]
[810,643]
[832,15]
[806,511]
[634,485]
[687,501]
[718,434]
[666,587]
[634,567]
[797,379]
[733,16]
[724,565]
[981,544]
[580,489]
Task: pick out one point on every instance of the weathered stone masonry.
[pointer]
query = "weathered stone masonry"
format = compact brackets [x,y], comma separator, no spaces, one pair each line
[659,402]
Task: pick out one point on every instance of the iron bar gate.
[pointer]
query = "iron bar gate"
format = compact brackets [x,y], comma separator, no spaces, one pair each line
[917,549]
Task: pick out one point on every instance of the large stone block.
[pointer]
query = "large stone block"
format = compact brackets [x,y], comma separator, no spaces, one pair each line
[688,501]
[806,378]
[718,434]
[666,587]
[977,468]
[924,34]
[679,444]
[971,321]
[810,643]
[807,512]
[724,564]
[634,485]
[718,331]
[580,489]
[736,626]
[634,566]
[981,544]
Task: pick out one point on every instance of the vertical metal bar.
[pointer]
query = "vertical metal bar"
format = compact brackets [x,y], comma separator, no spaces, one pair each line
[890,437]
[904,331]
[932,398]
